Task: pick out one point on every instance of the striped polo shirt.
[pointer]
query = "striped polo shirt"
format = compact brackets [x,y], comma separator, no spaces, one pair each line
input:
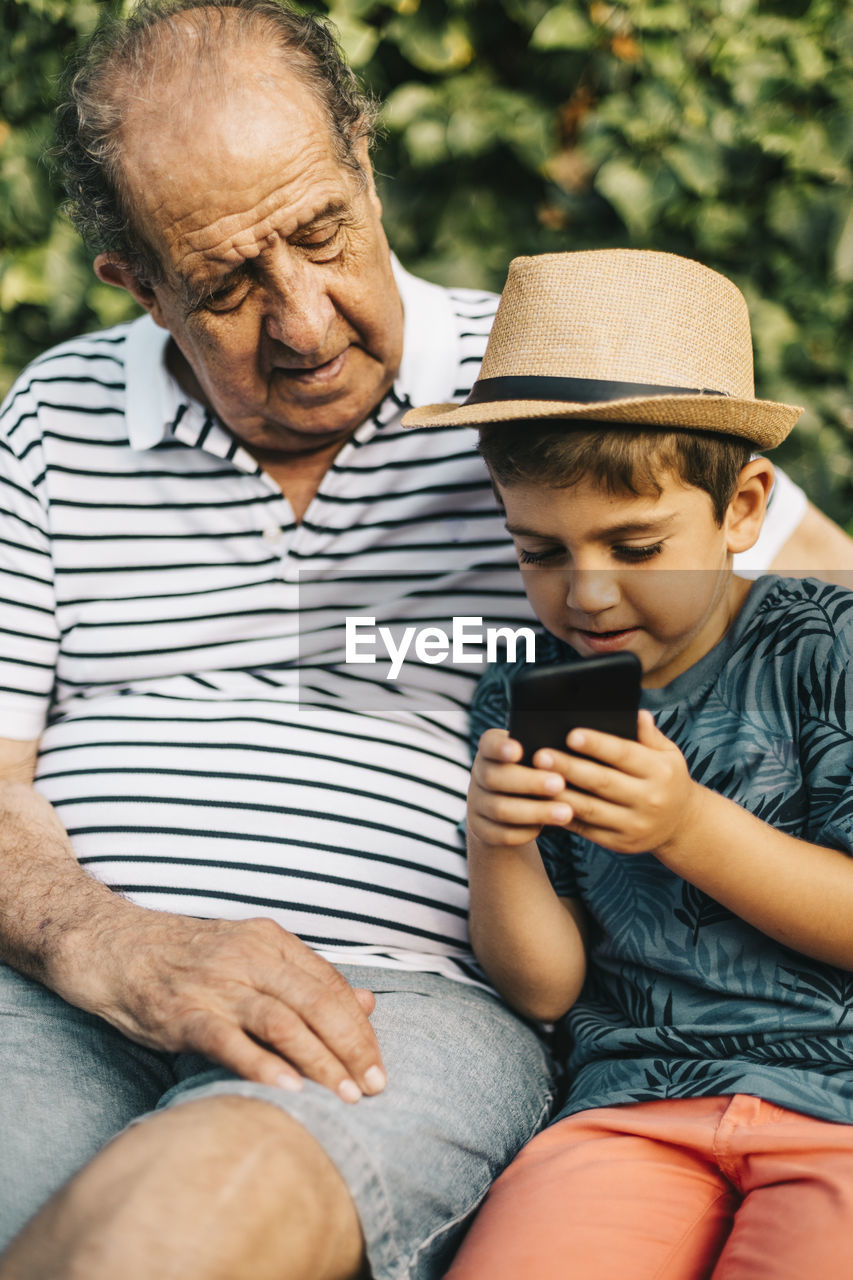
[179,643]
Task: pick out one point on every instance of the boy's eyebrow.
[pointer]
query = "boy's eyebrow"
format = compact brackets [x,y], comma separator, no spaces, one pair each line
[626,529]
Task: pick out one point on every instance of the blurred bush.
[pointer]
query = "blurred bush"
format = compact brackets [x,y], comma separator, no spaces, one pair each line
[722,130]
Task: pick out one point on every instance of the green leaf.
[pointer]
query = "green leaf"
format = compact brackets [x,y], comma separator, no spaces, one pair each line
[810,63]
[357,39]
[437,49]
[842,258]
[426,142]
[563,27]
[697,165]
[407,103]
[630,191]
[662,17]
[773,331]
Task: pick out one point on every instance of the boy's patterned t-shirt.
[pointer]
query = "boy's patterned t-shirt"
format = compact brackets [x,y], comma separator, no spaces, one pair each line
[685,999]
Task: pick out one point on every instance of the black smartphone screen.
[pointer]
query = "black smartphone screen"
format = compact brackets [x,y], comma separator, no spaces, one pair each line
[601,693]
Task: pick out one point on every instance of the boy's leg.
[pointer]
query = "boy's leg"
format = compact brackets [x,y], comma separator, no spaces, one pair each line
[796,1218]
[622,1193]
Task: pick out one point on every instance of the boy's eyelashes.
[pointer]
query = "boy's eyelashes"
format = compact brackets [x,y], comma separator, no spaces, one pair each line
[628,554]
[638,553]
[525,556]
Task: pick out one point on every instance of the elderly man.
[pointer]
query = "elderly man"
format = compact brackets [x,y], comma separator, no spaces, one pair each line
[233,903]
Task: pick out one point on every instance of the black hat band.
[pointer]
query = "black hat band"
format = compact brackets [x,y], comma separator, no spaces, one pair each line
[573,390]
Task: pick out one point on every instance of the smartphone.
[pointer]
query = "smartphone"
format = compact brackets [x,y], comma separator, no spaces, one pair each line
[601,693]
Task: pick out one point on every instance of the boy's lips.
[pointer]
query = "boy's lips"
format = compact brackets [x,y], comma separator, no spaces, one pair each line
[606,641]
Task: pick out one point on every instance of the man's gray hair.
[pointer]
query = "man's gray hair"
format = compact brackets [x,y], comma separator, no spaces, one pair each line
[125,53]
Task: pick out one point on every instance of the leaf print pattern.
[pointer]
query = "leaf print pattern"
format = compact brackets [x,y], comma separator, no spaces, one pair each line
[683,999]
[821,986]
[697,910]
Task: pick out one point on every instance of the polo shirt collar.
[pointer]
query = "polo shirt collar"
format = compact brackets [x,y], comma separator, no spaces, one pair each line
[429,370]
[155,400]
[158,408]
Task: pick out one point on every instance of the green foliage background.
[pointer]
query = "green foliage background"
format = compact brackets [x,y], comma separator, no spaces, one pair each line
[721,129]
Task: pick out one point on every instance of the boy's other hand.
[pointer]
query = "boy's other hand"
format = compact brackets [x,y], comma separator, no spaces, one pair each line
[631,797]
[508,802]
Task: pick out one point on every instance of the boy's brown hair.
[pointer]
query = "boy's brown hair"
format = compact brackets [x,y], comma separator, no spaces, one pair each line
[621,459]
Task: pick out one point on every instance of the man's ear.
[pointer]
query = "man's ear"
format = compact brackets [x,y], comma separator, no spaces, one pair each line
[745,514]
[112,270]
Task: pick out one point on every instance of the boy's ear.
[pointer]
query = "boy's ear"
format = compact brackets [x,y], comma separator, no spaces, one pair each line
[112,270]
[745,514]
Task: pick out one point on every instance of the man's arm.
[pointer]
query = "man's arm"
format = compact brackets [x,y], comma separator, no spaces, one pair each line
[248,994]
[817,548]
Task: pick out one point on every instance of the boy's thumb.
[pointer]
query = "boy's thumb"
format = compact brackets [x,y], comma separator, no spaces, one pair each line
[647,731]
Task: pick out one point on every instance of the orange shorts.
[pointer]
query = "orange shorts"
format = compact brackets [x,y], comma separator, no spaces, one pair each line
[725,1188]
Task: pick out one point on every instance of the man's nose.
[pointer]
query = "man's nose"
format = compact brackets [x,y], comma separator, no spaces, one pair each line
[591,591]
[299,311]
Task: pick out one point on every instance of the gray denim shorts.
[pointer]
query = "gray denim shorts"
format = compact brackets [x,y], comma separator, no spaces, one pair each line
[468,1085]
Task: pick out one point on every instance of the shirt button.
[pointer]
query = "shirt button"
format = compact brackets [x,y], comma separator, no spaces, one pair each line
[273,533]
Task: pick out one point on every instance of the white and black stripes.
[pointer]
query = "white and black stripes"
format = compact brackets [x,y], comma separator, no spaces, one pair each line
[205,744]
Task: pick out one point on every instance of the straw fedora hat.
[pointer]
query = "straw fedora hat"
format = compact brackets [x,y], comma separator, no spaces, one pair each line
[619,335]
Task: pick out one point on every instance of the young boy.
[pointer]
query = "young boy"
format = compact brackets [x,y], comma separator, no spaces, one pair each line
[686,900]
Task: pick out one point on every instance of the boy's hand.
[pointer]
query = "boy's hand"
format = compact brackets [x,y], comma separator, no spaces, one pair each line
[509,803]
[640,794]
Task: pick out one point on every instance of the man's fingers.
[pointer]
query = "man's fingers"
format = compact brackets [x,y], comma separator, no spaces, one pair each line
[291,1035]
[228,1045]
[274,1046]
[365,998]
[322,1027]
[314,990]
[252,997]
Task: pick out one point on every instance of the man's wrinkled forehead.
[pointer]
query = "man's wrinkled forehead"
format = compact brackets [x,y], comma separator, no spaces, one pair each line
[192,67]
[211,185]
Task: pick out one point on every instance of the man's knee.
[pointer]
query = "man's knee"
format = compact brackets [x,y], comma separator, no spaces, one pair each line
[214,1189]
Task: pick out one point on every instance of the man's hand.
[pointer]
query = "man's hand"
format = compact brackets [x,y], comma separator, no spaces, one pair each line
[247,994]
[504,804]
[631,797]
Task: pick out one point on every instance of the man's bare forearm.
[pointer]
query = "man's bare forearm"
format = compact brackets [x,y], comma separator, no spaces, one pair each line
[48,903]
[245,993]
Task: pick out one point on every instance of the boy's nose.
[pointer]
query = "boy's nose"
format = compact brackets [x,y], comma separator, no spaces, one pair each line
[591,591]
